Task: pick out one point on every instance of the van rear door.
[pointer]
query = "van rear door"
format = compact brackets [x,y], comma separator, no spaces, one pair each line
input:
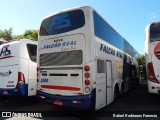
[8,76]
[9,65]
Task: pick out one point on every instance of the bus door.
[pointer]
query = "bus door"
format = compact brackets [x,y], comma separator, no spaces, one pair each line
[109,86]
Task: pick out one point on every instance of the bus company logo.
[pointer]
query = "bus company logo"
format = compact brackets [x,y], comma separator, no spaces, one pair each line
[5,74]
[111,51]
[63,44]
[157,51]
[107,49]
[5,51]
[60,21]
[44,80]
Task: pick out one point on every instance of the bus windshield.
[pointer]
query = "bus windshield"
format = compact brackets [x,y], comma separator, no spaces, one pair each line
[62,23]
[155,32]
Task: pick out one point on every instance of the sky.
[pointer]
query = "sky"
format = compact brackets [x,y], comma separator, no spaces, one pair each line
[128,17]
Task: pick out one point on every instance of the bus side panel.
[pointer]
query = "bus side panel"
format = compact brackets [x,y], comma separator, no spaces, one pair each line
[32,84]
[23,68]
[100,95]
[100,85]
[152,57]
[152,86]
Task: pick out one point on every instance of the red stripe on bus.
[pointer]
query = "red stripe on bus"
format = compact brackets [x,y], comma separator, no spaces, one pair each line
[6,57]
[60,87]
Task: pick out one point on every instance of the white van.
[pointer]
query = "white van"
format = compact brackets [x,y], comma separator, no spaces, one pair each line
[18,68]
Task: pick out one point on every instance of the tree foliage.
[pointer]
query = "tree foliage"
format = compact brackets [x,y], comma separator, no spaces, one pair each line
[6,34]
[142,64]
[29,34]
[18,37]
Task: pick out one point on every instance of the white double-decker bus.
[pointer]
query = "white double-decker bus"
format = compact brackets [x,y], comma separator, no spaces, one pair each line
[82,61]
[152,55]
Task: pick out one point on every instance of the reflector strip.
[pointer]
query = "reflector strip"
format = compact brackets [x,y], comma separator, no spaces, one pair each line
[6,57]
[60,87]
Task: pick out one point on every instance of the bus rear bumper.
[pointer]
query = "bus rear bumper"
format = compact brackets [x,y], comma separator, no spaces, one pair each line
[81,102]
[153,88]
[20,91]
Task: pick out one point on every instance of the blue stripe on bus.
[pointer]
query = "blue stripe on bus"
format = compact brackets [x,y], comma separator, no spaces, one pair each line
[20,91]
[87,101]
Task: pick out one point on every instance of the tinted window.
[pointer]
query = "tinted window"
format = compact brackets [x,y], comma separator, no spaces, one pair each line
[32,50]
[103,30]
[63,22]
[101,66]
[155,32]
[1,42]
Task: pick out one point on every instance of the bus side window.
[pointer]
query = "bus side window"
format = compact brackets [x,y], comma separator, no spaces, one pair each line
[32,50]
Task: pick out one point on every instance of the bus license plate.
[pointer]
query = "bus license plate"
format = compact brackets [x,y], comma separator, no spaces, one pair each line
[58,103]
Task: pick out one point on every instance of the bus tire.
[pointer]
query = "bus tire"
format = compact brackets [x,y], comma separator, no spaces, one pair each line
[116,92]
[122,89]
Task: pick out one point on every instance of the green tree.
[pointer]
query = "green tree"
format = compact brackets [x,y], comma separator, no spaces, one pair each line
[6,34]
[142,64]
[18,37]
[31,34]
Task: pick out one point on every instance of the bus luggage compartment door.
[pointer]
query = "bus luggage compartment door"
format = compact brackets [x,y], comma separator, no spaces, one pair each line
[109,85]
[61,82]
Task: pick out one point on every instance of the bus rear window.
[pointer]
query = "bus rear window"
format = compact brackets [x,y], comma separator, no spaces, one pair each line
[61,58]
[155,32]
[62,23]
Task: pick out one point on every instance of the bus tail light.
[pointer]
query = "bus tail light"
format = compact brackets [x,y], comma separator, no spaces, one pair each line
[21,79]
[151,75]
[87,89]
[87,75]
[87,82]
[42,97]
[86,68]
[77,102]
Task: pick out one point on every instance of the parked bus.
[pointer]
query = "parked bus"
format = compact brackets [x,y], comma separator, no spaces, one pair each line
[152,55]
[18,68]
[82,61]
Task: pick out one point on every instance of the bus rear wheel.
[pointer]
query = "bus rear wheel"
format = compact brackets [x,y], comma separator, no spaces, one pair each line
[116,92]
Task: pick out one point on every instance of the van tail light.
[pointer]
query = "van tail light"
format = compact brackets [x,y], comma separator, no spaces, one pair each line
[151,75]
[38,69]
[21,79]
[38,74]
